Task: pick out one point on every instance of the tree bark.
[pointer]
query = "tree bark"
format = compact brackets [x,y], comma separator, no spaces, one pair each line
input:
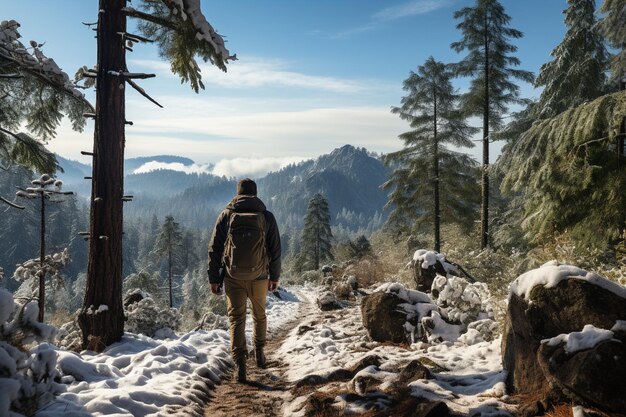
[104,272]
[317,243]
[169,270]
[484,233]
[436,179]
[42,257]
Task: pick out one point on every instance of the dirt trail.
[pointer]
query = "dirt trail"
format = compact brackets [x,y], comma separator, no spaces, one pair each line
[266,391]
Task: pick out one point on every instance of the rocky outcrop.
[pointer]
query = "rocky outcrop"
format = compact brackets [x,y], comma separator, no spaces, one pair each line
[383,318]
[563,301]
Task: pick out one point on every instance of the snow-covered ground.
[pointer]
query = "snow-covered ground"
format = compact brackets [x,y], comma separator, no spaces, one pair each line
[468,375]
[141,376]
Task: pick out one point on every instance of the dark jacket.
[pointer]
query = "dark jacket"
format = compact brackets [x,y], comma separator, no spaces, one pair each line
[243,204]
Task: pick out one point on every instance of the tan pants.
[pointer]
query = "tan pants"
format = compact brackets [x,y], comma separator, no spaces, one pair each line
[237,294]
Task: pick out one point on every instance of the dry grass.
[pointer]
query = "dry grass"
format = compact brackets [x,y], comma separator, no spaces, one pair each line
[59,317]
[561,410]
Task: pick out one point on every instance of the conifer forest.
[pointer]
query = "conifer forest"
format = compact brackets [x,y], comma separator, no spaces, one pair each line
[448,179]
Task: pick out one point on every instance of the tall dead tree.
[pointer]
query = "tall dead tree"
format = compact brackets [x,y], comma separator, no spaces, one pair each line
[182,32]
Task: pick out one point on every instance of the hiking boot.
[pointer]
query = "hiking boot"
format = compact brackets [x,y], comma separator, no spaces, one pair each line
[240,370]
[260,357]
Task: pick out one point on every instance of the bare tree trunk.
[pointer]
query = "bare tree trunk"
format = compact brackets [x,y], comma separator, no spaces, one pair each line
[104,272]
[169,267]
[42,257]
[317,244]
[436,181]
[484,233]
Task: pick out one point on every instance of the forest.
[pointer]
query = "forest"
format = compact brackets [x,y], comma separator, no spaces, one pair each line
[423,281]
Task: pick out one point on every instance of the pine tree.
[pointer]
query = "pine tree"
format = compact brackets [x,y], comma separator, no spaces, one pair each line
[36,93]
[317,235]
[613,27]
[168,244]
[577,72]
[490,62]
[182,33]
[431,108]
[570,178]
[360,247]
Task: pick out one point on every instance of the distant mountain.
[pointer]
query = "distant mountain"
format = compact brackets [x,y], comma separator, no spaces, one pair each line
[74,171]
[349,177]
[155,183]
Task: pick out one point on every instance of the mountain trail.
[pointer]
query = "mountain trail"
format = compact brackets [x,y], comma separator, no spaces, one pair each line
[266,391]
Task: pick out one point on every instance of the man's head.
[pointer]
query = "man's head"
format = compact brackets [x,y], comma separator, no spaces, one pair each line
[246,187]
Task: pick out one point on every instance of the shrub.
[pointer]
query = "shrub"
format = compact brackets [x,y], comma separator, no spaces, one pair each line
[28,374]
[148,318]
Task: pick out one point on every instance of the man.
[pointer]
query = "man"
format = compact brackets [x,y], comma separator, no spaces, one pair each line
[244,255]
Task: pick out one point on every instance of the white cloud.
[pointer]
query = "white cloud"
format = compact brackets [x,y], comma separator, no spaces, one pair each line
[411,8]
[173,166]
[252,167]
[259,72]
[308,132]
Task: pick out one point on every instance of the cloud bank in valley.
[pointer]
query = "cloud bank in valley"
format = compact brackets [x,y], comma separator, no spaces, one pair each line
[235,167]
[252,167]
[172,166]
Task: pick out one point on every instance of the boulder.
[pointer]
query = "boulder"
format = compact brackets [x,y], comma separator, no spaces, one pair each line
[593,376]
[424,277]
[553,305]
[383,318]
[327,301]
[426,266]
[413,371]
[364,362]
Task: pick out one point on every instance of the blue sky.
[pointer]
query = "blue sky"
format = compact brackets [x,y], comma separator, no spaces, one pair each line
[311,75]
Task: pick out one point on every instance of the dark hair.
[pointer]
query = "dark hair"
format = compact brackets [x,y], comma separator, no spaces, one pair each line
[246,187]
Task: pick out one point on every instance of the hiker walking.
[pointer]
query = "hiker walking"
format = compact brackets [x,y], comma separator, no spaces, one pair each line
[244,255]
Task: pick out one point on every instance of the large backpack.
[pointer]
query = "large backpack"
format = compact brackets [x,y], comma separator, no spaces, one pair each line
[245,252]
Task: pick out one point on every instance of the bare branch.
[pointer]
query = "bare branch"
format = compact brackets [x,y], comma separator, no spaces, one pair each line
[142,92]
[130,12]
[138,38]
[11,203]
[137,75]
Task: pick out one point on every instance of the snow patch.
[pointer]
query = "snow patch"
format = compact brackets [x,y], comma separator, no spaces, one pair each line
[588,338]
[551,273]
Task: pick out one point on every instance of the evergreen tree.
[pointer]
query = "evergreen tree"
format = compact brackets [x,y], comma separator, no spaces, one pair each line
[360,247]
[490,62]
[34,92]
[317,235]
[150,283]
[570,178]
[195,291]
[189,251]
[131,249]
[182,33]
[577,72]
[431,109]
[613,27]
[168,244]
